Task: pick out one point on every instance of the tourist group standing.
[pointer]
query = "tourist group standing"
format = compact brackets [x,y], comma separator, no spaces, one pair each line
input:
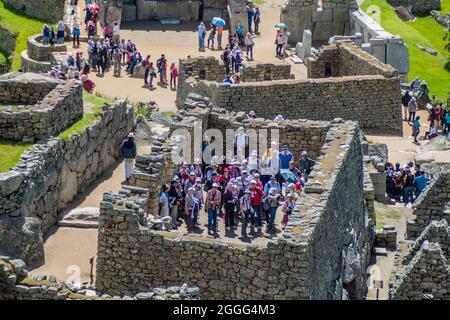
[438,115]
[246,193]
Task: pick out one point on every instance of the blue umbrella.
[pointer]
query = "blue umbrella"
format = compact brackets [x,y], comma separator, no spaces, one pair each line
[218,22]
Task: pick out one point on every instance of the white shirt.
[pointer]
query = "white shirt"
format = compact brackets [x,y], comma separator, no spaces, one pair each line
[240,141]
[116,30]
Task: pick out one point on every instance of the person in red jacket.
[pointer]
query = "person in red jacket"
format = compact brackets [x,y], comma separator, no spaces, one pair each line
[256,196]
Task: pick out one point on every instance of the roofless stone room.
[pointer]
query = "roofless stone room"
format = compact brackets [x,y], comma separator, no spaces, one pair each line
[244,152]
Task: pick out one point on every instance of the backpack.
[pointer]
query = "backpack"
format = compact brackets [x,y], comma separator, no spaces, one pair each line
[266,203]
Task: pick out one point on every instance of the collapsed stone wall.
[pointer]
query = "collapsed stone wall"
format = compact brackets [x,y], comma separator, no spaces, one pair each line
[292,266]
[34,107]
[346,59]
[48,10]
[17,284]
[432,204]
[50,175]
[419,7]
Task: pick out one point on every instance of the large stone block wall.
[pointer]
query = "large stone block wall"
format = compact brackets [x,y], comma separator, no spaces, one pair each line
[312,259]
[332,19]
[347,59]
[48,10]
[46,107]
[358,98]
[432,204]
[49,176]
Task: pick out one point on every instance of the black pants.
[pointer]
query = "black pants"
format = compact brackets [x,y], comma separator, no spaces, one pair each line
[77,39]
[146,73]
[229,216]
[411,115]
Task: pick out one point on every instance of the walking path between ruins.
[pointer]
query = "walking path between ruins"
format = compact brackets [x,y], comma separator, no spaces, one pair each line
[176,42]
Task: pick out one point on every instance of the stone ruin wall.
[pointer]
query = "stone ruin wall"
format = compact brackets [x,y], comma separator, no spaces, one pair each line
[35,109]
[17,284]
[346,59]
[8,40]
[50,175]
[48,10]
[38,58]
[432,204]
[374,90]
[421,268]
[333,18]
[131,257]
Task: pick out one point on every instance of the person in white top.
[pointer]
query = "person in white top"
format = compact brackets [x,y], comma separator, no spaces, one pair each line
[116,34]
[241,141]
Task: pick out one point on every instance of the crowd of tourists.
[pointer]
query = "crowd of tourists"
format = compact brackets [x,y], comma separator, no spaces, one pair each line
[405,184]
[438,113]
[247,189]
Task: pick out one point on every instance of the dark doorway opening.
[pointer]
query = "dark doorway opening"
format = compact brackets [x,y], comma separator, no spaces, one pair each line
[201,9]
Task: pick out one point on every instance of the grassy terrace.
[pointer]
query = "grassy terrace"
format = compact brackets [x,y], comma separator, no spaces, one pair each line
[426,32]
[96,102]
[10,153]
[26,26]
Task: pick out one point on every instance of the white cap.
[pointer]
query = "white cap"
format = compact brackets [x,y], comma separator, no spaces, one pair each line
[253,182]
[215,185]
[131,135]
[304,153]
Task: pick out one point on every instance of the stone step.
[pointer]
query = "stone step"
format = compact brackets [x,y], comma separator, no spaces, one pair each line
[78,224]
[296,59]
[379,251]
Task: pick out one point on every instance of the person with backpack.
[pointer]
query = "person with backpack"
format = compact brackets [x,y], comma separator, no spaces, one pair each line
[256,196]
[271,204]
[247,213]
[211,37]
[287,208]
[230,200]
[192,207]
[161,64]
[129,152]
[146,65]
[212,203]
[45,35]
[226,54]
[408,187]
[201,30]
[412,109]
[249,44]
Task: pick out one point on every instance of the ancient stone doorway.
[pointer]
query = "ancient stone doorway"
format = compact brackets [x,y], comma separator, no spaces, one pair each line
[201,9]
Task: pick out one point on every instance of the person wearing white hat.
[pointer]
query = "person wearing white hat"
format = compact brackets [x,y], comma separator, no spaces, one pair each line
[271,205]
[253,161]
[128,150]
[191,207]
[212,203]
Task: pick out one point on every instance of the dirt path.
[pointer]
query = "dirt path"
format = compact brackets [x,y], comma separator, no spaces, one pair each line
[178,42]
[384,264]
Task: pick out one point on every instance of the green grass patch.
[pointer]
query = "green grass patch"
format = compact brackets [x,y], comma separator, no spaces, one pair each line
[258,2]
[3,58]
[10,152]
[78,127]
[384,212]
[426,32]
[24,25]
[141,110]
[167,113]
